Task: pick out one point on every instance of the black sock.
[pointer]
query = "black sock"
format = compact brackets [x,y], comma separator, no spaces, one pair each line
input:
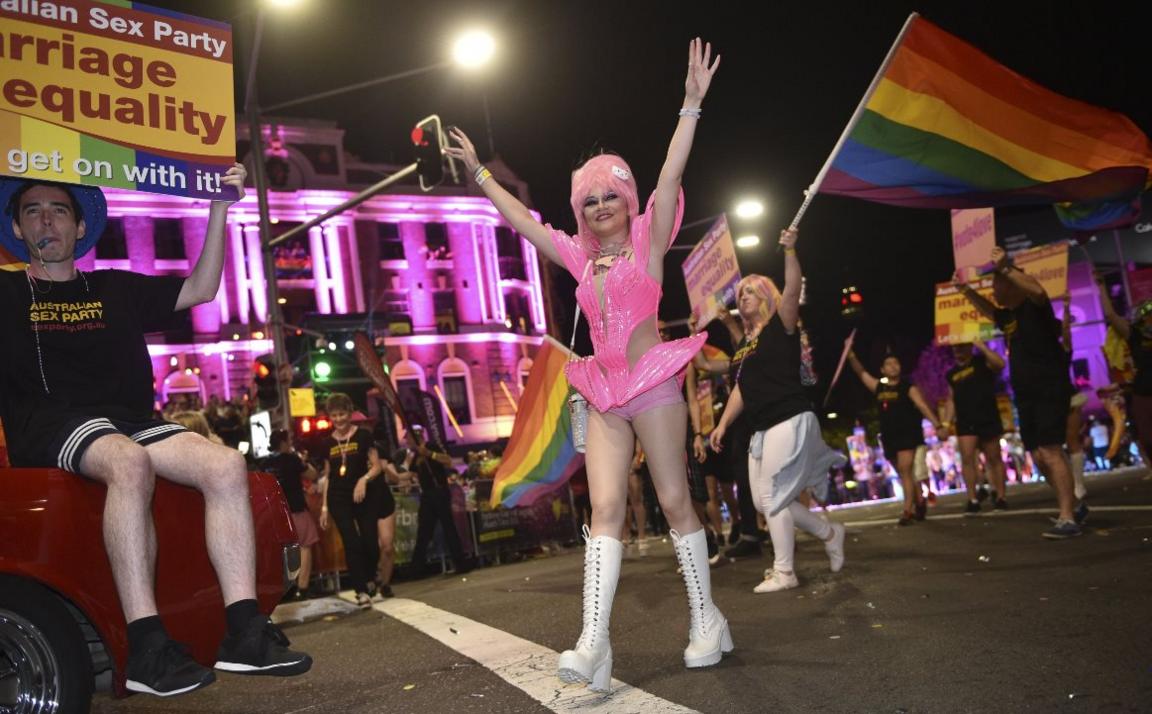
[240,614]
[143,631]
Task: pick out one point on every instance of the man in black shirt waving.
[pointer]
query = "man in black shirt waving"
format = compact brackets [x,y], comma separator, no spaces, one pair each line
[76,393]
[1039,372]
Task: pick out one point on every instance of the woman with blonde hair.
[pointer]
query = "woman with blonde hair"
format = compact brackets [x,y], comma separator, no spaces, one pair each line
[787,456]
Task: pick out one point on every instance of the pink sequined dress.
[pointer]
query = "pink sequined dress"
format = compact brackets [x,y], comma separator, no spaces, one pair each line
[631,296]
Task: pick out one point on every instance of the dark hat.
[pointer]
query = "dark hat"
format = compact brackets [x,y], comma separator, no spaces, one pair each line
[93,211]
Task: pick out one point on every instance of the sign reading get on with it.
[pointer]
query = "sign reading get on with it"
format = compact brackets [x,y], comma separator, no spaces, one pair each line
[116,94]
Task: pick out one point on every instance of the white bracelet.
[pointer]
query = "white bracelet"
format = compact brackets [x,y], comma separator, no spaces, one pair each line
[689,112]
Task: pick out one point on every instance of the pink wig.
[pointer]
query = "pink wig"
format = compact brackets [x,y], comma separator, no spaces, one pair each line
[601,173]
[766,290]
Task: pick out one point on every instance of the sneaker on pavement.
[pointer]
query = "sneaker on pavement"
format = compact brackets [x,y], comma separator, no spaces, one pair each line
[1081,513]
[775,581]
[1001,505]
[165,669]
[1062,530]
[261,649]
[972,509]
[834,547]
[363,600]
[734,533]
[921,509]
[982,493]
[713,550]
[906,519]
[383,591]
[743,549]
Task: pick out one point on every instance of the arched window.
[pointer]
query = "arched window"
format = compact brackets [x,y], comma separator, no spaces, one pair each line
[456,384]
[408,378]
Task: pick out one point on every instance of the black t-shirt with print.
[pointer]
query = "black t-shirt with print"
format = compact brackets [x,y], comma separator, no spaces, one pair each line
[738,431]
[352,454]
[770,378]
[91,345]
[974,392]
[1037,360]
[900,420]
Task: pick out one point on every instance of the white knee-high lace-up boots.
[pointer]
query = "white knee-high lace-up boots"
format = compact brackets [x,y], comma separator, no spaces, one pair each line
[708,635]
[591,660]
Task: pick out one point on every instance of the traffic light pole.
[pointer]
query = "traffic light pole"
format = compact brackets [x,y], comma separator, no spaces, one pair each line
[350,203]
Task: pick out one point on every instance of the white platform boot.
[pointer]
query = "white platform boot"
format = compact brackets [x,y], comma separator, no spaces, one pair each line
[708,635]
[591,660]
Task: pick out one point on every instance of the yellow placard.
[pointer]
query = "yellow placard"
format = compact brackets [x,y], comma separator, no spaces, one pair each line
[302,402]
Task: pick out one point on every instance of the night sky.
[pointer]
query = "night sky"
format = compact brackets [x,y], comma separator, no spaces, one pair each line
[575,76]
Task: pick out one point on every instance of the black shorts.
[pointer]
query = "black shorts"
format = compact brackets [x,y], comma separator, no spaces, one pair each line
[1043,417]
[69,442]
[896,442]
[983,430]
[697,486]
[385,501]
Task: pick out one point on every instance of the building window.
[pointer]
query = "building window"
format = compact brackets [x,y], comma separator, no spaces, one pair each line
[112,244]
[293,259]
[408,378]
[455,381]
[391,245]
[436,240]
[518,311]
[507,243]
[168,237]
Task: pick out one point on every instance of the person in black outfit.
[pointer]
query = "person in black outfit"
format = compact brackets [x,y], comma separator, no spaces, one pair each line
[901,407]
[970,411]
[291,470]
[431,469]
[787,456]
[352,465]
[1138,333]
[1039,373]
[76,393]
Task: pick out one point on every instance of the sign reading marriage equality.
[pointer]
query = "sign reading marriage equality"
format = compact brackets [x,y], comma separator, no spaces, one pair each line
[116,94]
[958,320]
[711,272]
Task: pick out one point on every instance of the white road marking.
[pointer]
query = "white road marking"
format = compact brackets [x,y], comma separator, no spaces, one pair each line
[524,664]
[999,514]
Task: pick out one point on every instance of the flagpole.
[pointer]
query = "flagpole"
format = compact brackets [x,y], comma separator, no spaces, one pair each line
[810,193]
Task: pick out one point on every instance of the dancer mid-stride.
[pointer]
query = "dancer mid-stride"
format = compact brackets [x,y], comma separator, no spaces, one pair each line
[787,456]
[632,380]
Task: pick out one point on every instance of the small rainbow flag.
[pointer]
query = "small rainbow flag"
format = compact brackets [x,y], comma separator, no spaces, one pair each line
[540,455]
[10,262]
[945,126]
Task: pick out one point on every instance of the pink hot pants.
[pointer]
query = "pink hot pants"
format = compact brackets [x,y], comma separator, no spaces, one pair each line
[663,394]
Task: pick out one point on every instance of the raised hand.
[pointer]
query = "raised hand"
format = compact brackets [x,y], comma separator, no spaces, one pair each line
[465,152]
[234,177]
[701,67]
[788,237]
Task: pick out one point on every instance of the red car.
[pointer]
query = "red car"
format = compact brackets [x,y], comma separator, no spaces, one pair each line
[61,627]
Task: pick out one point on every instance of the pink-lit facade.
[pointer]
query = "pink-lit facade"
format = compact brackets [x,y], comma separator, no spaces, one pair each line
[471,288]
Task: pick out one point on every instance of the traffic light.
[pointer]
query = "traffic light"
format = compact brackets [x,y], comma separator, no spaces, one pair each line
[321,368]
[851,302]
[428,140]
[264,375]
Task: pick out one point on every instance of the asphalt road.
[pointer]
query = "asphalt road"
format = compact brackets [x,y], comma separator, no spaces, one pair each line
[955,614]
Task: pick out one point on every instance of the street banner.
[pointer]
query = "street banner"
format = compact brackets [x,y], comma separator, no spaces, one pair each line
[973,236]
[711,272]
[116,94]
[958,320]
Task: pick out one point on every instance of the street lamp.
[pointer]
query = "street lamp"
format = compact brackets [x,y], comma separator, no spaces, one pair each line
[748,241]
[750,209]
[745,209]
[474,49]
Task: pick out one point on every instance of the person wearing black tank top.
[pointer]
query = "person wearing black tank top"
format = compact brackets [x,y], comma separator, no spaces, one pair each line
[787,456]
[1038,368]
[970,411]
[901,406]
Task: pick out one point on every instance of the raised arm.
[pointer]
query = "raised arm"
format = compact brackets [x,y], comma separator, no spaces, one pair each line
[515,212]
[870,382]
[203,282]
[1122,327]
[1030,285]
[789,309]
[994,361]
[701,67]
[986,308]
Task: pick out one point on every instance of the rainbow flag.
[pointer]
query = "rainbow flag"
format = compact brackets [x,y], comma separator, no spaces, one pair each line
[9,261]
[540,455]
[945,126]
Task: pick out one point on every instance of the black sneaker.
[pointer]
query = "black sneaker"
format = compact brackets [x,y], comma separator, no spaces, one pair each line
[261,649]
[906,519]
[165,669]
[713,549]
[972,509]
[384,591]
[734,534]
[921,509]
[982,493]
[1081,513]
[1062,531]
[744,548]
[1001,505]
